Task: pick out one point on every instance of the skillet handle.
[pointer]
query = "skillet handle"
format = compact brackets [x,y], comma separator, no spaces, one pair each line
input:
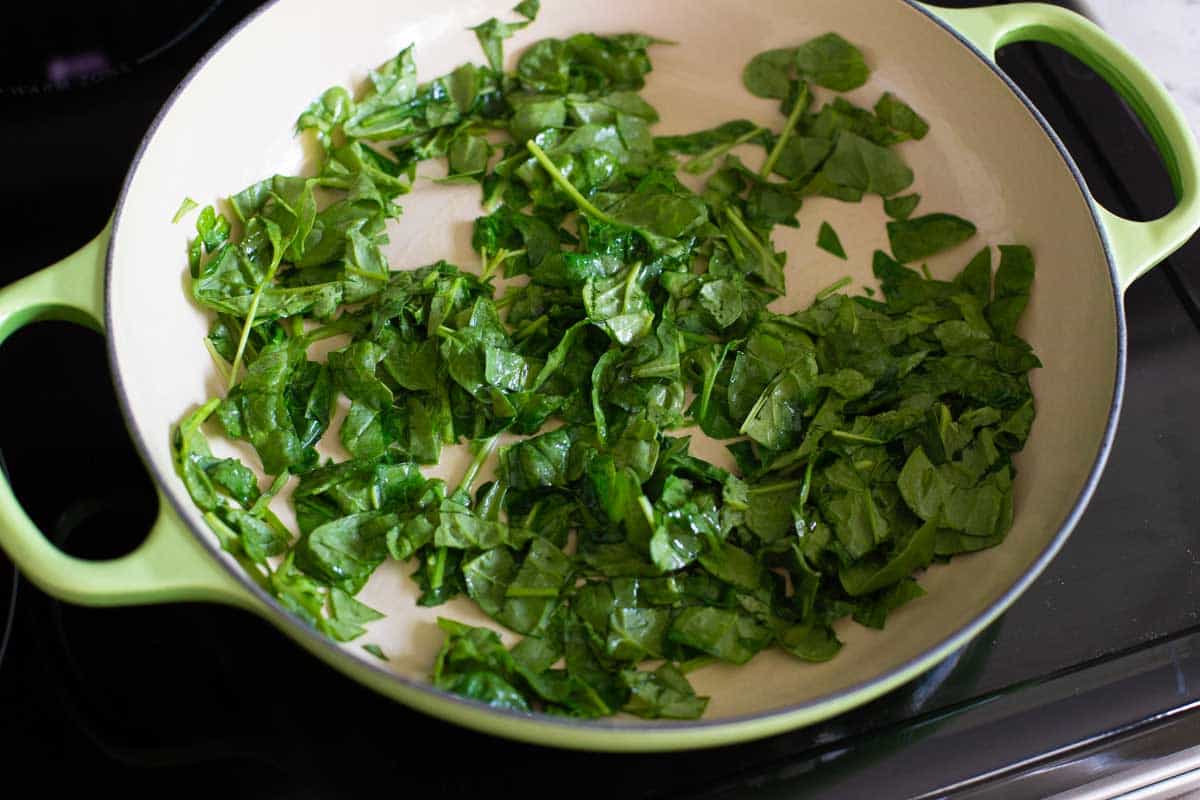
[171,564]
[1136,246]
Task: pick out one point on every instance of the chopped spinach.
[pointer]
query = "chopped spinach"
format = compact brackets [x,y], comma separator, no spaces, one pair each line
[184,207]
[832,62]
[828,240]
[872,436]
[376,651]
[899,116]
[901,207]
[920,237]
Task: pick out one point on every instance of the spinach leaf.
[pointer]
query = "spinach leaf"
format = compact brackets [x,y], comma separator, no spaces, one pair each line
[722,633]
[1014,276]
[922,237]
[872,614]
[620,306]
[862,166]
[491,35]
[541,461]
[346,551]
[828,241]
[376,651]
[662,694]
[801,156]
[810,642]
[901,207]
[528,9]
[864,577]
[769,74]
[897,114]
[474,663]
[347,618]
[832,62]
[190,454]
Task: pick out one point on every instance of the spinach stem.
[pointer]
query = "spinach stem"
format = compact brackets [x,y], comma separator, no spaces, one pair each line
[804,488]
[365,273]
[481,455]
[531,591]
[530,328]
[506,299]
[530,522]
[647,510]
[847,436]
[762,399]
[448,434]
[264,500]
[336,328]
[693,664]
[704,161]
[597,385]
[490,267]
[193,421]
[833,287]
[710,378]
[782,486]
[786,133]
[630,286]
[250,315]
[439,569]
[564,184]
[218,360]
[736,218]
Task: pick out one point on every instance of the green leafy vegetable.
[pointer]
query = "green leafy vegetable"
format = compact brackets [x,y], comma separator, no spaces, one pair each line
[828,241]
[901,207]
[872,436]
[921,237]
[1014,276]
[832,62]
[769,73]
[860,165]
[897,114]
[187,205]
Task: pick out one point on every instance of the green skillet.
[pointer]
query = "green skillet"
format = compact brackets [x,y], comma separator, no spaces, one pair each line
[991,157]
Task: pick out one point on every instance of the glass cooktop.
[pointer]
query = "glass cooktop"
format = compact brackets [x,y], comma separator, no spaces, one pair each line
[1095,669]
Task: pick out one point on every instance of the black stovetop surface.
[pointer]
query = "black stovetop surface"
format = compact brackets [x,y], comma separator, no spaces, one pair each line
[1093,667]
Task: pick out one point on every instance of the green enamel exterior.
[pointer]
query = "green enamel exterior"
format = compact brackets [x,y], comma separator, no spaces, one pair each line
[172,564]
[1136,246]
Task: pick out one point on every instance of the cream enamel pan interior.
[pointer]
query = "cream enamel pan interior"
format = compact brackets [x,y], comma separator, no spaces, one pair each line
[989,157]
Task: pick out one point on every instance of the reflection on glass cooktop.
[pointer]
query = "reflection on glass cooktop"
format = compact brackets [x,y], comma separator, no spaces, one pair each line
[56,46]
[209,698]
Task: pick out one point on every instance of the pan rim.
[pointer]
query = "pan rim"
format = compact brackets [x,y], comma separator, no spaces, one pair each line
[621,735]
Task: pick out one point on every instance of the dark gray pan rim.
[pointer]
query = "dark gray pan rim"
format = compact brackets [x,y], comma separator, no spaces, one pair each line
[298,630]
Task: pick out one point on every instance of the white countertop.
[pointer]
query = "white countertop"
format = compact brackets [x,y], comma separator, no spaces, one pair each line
[1165,35]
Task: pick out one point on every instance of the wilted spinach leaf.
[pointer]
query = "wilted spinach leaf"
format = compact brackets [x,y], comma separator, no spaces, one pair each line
[870,435]
[832,62]
[921,237]
[828,241]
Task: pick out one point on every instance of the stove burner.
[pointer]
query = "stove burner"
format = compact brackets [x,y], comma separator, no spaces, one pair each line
[51,47]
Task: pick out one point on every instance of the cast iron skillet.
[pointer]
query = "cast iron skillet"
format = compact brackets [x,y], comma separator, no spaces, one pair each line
[990,157]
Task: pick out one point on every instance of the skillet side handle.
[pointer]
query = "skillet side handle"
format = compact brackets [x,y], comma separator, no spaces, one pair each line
[1136,246]
[171,564]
